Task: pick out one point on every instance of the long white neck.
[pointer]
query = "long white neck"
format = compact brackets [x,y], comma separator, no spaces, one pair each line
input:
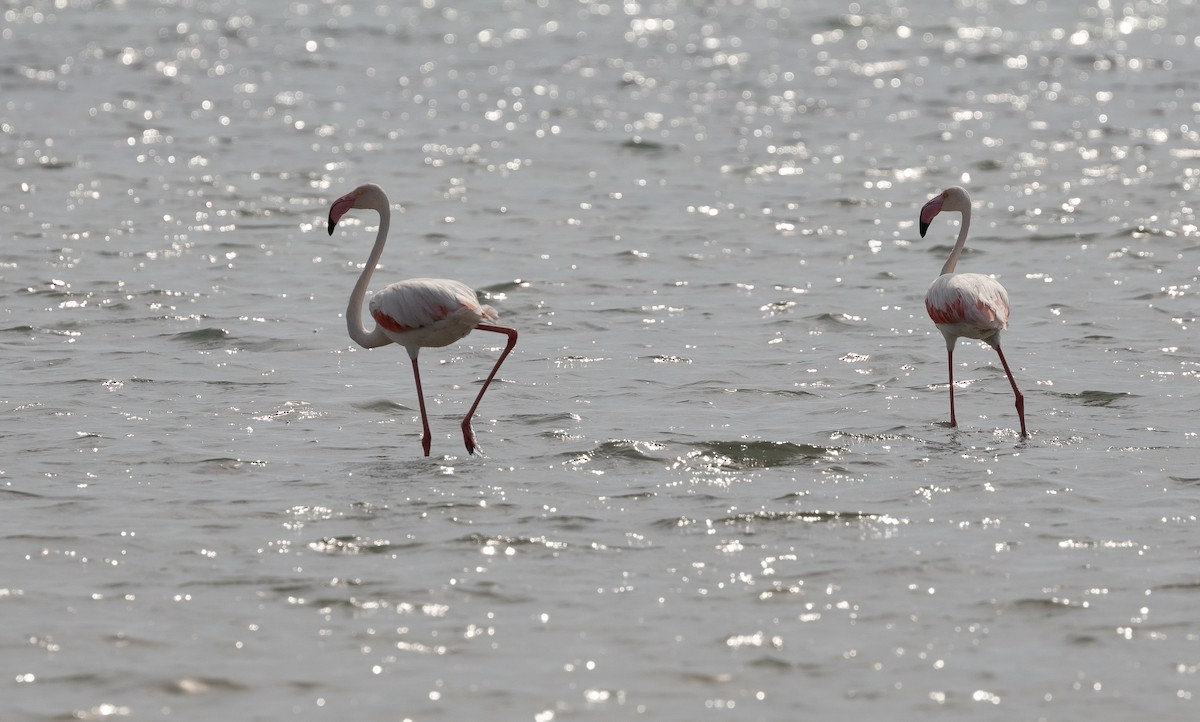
[952,261]
[354,324]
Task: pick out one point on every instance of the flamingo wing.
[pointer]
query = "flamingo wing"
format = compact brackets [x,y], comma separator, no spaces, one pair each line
[971,304]
[429,311]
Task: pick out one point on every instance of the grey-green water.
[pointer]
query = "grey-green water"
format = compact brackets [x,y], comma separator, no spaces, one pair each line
[718,480]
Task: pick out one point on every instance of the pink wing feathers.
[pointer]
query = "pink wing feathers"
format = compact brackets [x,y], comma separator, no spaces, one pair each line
[974,304]
[440,310]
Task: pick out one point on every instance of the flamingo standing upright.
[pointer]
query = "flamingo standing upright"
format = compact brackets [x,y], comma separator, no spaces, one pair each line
[966,304]
[419,312]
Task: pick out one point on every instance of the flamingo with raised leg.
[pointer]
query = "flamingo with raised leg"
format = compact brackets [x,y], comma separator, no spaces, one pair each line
[966,304]
[417,313]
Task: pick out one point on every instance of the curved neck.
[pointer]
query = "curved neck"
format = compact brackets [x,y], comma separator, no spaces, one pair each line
[952,261]
[354,324]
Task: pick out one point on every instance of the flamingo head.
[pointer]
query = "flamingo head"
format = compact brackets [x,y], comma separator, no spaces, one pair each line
[367,195]
[953,198]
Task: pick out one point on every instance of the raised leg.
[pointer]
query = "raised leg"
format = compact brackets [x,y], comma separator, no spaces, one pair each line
[426,437]
[468,432]
[1020,403]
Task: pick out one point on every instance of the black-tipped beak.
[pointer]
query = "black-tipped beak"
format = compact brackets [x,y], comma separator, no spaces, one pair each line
[924,227]
[333,223]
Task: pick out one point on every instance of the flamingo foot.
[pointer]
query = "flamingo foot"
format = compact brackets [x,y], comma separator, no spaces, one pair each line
[469,436]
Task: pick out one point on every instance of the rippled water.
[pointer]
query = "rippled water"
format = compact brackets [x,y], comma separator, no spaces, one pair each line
[718,480]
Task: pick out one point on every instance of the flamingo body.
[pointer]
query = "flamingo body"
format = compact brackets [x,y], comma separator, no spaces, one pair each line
[428,312]
[417,313]
[969,305]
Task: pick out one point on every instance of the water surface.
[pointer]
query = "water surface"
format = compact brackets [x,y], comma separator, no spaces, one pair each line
[718,480]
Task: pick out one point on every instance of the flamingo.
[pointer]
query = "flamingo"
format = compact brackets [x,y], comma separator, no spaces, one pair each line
[966,304]
[417,313]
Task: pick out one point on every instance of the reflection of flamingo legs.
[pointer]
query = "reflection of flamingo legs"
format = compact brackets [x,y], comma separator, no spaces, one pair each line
[966,304]
[417,313]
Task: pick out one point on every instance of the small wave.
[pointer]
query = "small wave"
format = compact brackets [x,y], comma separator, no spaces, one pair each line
[773,517]
[351,545]
[494,541]
[201,685]
[840,320]
[760,454]
[627,449]
[664,359]
[638,144]
[1053,604]
[383,406]
[789,393]
[1055,237]
[1098,398]
[223,464]
[203,337]
[499,289]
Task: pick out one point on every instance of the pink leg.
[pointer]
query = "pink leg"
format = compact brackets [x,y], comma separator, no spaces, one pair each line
[950,365]
[426,437]
[1017,392]
[468,432]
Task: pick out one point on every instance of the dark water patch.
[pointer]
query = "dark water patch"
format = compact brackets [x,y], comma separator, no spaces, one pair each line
[382,406]
[890,435]
[493,591]
[47,163]
[943,250]
[762,454]
[793,496]
[638,144]
[635,496]
[751,519]
[285,344]
[485,540]
[793,393]
[222,465]
[775,308]
[627,450]
[567,522]
[812,517]
[449,505]
[561,435]
[547,418]
[770,663]
[1043,606]
[1141,231]
[1097,398]
[202,338]
[1190,586]
[838,320]
[495,289]
[666,359]
[1189,480]
[1059,237]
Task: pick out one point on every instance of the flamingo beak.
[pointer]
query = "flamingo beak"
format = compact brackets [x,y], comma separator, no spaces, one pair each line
[339,208]
[929,210]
